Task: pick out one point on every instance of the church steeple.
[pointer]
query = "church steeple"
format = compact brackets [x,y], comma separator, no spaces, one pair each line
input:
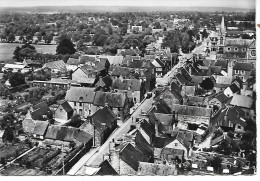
[222,29]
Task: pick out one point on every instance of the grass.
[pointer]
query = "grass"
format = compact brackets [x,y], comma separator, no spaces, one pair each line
[7,49]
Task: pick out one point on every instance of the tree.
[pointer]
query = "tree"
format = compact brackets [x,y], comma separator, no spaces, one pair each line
[16,53]
[204,34]
[47,38]
[172,40]
[207,84]
[216,163]
[16,79]
[65,47]
[11,37]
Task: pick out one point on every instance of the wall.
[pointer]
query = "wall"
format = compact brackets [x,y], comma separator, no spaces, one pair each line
[60,113]
[179,146]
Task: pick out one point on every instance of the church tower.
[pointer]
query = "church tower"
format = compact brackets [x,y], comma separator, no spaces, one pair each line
[221,35]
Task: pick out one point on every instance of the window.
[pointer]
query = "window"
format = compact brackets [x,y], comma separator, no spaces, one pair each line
[75,103]
[236,71]
[236,49]
[176,144]
[244,49]
[80,112]
[242,72]
[228,49]
[238,127]
[80,104]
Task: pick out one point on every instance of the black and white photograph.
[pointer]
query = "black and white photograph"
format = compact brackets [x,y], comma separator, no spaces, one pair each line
[128,88]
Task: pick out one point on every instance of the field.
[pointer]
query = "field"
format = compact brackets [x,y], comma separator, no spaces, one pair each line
[7,49]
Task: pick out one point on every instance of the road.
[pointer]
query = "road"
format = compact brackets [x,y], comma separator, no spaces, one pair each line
[97,158]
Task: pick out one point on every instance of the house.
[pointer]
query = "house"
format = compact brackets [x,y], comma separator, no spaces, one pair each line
[56,66]
[118,102]
[135,88]
[81,100]
[178,148]
[72,64]
[230,118]
[242,70]
[121,72]
[16,68]
[223,138]
[64,111]
[219,100]
[192,114]
[104,84]
[222,82]
[104,169]
[125,158]
[232,89]
[159,67]
[156,169]
[40,129]
[244,102]
[100,125]
[85,74]
[144,126]
[39,111]
[171,97]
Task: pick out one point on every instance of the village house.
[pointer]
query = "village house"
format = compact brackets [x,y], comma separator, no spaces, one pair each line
[244,102]
[160,67]
[234,87]
[64,111]
[39,111]
[242,70]
[135,88]
[222,82]
[100,125]
[230,118]
[40,129]
[56,66]
[81,100]
[72,64]
[16,68]
[85,75]
[219,100]
[118,102]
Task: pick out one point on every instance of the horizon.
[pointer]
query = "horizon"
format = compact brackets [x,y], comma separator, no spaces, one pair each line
[241,4]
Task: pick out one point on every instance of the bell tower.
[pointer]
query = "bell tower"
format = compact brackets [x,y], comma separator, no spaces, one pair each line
[221,35]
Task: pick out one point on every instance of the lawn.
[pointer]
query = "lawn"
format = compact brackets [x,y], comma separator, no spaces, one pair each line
[7,49]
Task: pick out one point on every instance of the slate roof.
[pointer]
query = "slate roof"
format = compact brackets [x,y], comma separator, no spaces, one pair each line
[191,110]
[222,97]
[162,107]
[40,127]
[131,156]
[126,84]
[104,117]
[148,128]
[198,79]
[165,119]
[238,42]
[185,74]
[181,79]
[231,114]
[75,93]
[242,101]
[73,61]
[174,85]
[66,106]
[159,142]
[221,63]
[82,136]
[113,99]
[215,70]
[143,146]
[242,66]
[234,88]
[106,169]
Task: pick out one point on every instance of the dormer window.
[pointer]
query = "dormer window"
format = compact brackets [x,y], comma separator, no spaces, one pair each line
[236,49]
[80,99]
[228,49]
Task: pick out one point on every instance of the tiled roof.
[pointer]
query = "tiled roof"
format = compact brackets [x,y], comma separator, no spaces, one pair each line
[60,65]
[222,97]
[123,71]
[66,106]
[148,128]
[126,84]
[159,142]
[191,110]
[40,127]
[181,79]
[77,94]
[155,169]
[243,66]
[143,146]
[113,99]
[73,61]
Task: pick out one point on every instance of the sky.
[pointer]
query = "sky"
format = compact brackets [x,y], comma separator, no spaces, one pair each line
[248,4]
